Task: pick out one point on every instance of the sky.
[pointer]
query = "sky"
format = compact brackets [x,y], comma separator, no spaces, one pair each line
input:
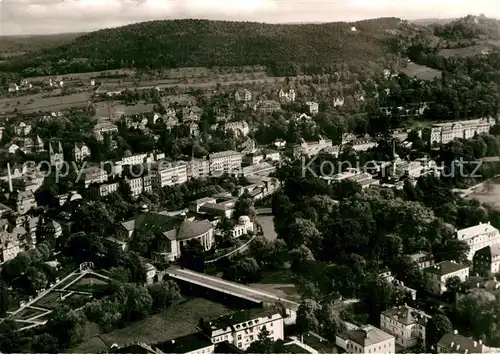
[23,17]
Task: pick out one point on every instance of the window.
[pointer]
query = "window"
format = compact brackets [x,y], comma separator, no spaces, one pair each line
[239,336]
[239,345]
[251,337]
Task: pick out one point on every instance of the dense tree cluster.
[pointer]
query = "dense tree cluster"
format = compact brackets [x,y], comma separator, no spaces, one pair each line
[285,49]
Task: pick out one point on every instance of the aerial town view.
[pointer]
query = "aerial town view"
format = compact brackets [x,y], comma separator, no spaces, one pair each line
[248,178]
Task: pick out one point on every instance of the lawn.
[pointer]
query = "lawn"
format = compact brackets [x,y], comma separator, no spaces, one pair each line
[280,283]
[177,321]
[67,281]
[27,313]
[49,301]
[35,103]
[90,283]
[421,72]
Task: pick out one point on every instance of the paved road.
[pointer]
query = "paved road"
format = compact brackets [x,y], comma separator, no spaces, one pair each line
[229,287]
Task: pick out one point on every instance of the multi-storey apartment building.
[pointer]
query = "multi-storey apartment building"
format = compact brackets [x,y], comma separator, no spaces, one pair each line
[225,161]
[312,148]
[438,274]
[133,160]
[242,328]
[104,189]
[166,173]
[287,95]
[406,324]
[93,174]
[197,168]
[313,107]
[243,95]
[443,133]
[268,106]
[136,185]
[478,237]
[367,339]
[422,259]
[486,261]
[456,343]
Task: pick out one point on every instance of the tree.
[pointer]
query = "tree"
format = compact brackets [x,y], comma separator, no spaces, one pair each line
[453,286]
[120,274]
[193,256]
[304,232]
[135,300]
[300,258]
[66,325]
[264,343]
[330,321]
[4,299]
[437,327]
[243,270]
[307,319]
[45,343]
[164,294]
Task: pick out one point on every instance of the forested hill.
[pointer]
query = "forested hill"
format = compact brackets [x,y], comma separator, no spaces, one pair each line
[181,43]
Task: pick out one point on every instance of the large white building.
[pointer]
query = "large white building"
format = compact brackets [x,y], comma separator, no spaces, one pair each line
[312,148]
[242,328]
[443,133]
[406,324]
[176,231]
[92,174]
[225,161]
[367,339]
[169,173]
[438,274]
[478,237]
[133,160]
[197,168]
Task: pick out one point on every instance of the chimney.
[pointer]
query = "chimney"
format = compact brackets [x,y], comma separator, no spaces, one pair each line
[452,344]
[10,178]
[475,344]
[480,342]
[458,347]
[455,332]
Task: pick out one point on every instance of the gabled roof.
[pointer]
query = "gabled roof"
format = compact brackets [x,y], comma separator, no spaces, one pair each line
[406,315]
[445,267]
[184,344]
[477,230]
[366,336]
[456,343]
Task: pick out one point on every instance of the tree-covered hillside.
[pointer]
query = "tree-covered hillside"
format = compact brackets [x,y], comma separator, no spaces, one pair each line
[179,43]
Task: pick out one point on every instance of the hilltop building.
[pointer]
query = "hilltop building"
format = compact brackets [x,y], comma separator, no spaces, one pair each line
[478,237]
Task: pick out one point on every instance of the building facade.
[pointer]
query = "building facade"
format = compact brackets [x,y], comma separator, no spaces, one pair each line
[367,339]
[225,161]
[242,328]
[165,173]
[478,237]
[443,133]
[438,274]
[486,261]
[406,324]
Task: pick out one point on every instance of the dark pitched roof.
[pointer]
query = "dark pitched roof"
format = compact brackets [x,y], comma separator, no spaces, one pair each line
[239,317]
[456,343]
[190,229]
[184,344]
[227,348]
[152,221]
[445,267]
[136,348]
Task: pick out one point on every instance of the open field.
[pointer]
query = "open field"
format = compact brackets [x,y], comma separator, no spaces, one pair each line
[279,282]
[421,72]
[66,282]
[177,321]
[35,103]
[477,49]
[27,313]
[90,283]
[49,301]
[267,223]
[488,193]
[84,76]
